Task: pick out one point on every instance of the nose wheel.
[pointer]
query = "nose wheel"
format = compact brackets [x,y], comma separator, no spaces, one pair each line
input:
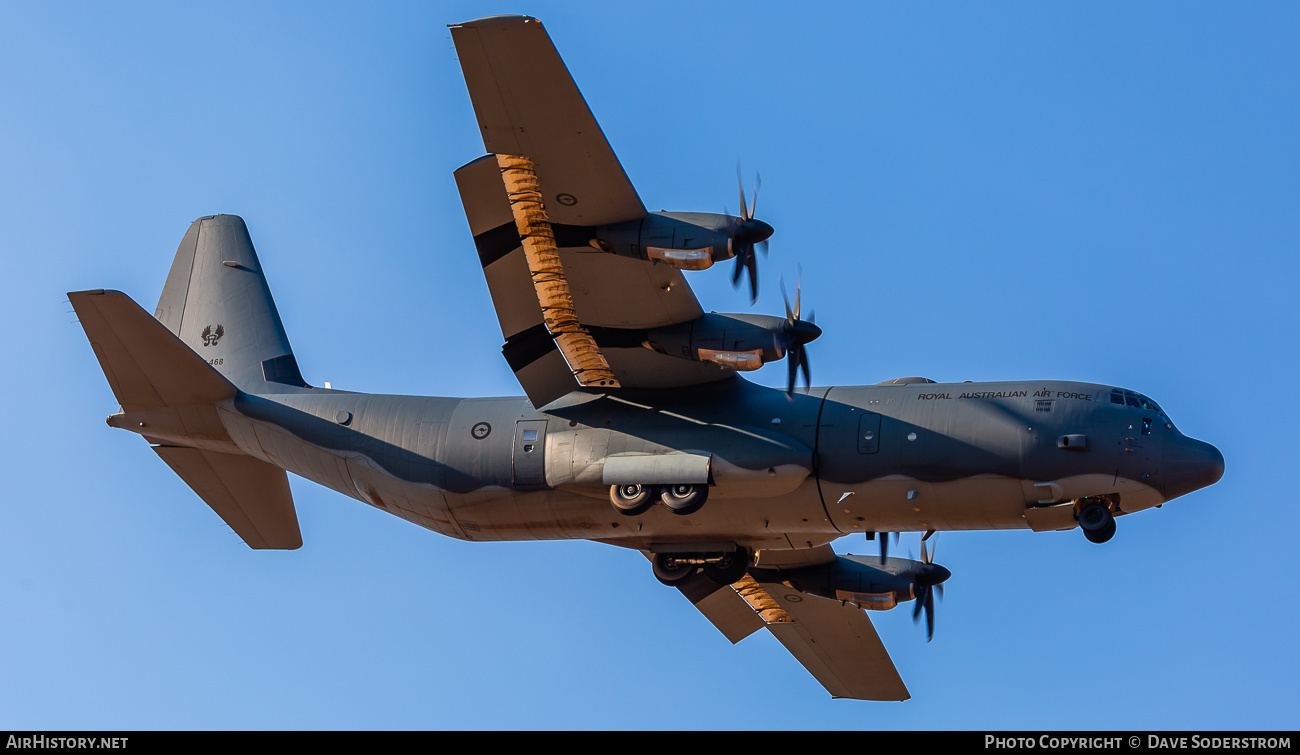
[1097,522]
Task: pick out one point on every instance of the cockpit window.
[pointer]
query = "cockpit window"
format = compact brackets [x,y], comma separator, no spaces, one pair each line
[1138,401]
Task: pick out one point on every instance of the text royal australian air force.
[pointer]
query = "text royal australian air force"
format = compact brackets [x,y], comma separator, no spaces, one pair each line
[1042,393]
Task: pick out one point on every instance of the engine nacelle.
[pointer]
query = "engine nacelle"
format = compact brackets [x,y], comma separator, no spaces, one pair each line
[862,580]
[735,341]
[686,240]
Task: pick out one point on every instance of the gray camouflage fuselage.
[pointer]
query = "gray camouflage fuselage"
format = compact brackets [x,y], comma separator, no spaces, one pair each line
[915,457]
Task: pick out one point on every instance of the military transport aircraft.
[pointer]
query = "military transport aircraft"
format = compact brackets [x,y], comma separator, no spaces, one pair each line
[637,429]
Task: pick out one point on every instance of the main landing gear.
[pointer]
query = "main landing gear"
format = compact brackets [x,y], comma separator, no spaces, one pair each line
[1097,521]
[681,499]
[673,569]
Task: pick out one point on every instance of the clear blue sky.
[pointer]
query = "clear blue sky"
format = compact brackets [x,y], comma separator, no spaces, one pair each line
[1106,192]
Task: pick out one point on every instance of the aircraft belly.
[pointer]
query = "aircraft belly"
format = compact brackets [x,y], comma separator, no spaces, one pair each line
[795,520]
[897,503]
[417,503]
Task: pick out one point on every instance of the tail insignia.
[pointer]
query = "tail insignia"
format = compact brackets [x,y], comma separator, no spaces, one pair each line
[210,337]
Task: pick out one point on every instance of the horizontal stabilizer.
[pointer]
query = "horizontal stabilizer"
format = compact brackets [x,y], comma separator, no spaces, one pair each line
[154,374]
[147,366]
[251,496]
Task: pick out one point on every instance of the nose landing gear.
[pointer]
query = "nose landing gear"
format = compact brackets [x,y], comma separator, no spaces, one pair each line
[1097,521]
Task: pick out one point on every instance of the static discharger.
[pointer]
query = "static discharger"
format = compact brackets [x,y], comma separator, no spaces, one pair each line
[552,287]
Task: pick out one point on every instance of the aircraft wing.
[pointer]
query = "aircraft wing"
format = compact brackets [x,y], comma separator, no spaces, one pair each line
[836,643]
[528,106]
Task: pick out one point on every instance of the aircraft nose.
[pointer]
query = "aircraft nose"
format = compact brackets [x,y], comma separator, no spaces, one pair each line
[1190,465]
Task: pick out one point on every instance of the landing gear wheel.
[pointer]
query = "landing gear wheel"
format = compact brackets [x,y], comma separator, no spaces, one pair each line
[630,500]
[729,570]
[670,571]
[684,499]
[1097,522]
[1102,535]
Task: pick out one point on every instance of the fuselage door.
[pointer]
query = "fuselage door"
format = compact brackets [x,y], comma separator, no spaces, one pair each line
[528,467]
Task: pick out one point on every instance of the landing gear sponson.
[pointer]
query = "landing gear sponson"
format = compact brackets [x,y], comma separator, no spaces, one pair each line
[682,499]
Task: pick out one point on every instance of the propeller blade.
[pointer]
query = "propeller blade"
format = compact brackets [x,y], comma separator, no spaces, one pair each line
[779,345]
[740,184]
[925,602]
[753,207]
[798,292]
[748,235]
[927,579]
[929,615]
[751,262]
[803,363]
[746,261]
[792,362]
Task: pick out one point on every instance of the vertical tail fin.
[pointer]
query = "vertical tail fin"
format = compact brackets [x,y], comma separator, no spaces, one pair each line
[217,301]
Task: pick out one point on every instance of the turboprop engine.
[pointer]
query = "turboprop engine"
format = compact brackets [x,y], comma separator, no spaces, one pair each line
[686,240]
[874,583]
[736,341]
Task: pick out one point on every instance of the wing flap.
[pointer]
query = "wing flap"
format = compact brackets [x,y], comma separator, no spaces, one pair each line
[251,496]
[608,291]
